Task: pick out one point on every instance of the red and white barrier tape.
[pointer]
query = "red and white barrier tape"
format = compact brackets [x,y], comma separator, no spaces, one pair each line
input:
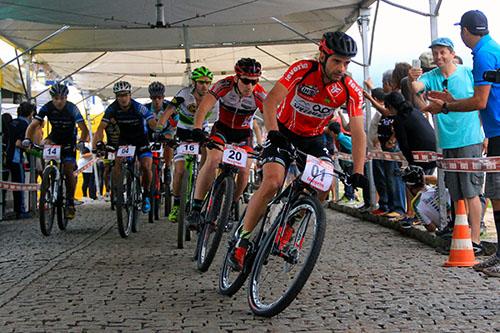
[85,167]
[10,186]
[484,164]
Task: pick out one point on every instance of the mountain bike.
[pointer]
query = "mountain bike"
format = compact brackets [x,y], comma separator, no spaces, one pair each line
[287,243]
[53,189]
[218,209]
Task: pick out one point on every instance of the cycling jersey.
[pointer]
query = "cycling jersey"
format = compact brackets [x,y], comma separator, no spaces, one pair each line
[237,111]
[169,127]
[310,104]
[112,134]
[62,121]
[132,123]
[185,104]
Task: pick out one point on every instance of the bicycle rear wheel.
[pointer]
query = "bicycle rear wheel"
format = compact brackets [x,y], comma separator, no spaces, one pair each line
[167,191]
[154,190]
[135,194]
[282,267]
[121,190]
[215,222]
[46,204]
[62,221]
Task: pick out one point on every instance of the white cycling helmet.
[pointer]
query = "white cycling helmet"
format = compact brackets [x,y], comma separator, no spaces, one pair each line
[122,86]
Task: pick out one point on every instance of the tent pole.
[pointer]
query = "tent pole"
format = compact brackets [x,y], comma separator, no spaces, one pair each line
[38,43]
[94,166]
[441,185]
[1,147]
[28,61]
[364,22]
[95,92]
[72,73]
[187,52]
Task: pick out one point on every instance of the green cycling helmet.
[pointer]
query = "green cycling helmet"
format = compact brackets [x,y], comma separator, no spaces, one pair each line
[201,72]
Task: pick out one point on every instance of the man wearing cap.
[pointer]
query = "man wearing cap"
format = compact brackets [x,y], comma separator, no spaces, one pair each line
[486,98]
[455,142]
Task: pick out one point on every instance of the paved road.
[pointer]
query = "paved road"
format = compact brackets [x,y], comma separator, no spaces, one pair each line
[368,279]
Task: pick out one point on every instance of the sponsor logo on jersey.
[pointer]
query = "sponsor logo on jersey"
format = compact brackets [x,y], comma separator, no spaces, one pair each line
[311,109]
[295,69]
[309,90]
[356,88]
[335,91]
[192,108]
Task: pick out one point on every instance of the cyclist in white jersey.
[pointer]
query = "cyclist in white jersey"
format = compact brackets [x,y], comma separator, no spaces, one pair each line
[185,104]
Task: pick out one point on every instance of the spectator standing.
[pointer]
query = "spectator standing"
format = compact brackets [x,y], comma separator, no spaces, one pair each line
[486,57]
[15,158]
[88,185]
[413,132]
[453,139]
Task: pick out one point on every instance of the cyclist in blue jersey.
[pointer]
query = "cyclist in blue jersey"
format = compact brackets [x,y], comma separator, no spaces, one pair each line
[133,120]
[62,116]
[158,107]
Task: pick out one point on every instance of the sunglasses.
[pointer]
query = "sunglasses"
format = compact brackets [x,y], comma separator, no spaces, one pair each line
[204,82]
[445,84]
[244,80]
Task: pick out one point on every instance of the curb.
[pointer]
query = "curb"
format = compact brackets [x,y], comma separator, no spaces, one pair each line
[417,232]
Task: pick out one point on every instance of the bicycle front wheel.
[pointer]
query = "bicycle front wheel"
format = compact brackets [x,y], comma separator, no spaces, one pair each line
[215,222]
[62,221]
[121,191]
[286,258]
[181,216]
[154,190]
[46,204]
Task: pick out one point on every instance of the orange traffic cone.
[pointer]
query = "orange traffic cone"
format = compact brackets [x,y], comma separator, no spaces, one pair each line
[461,251]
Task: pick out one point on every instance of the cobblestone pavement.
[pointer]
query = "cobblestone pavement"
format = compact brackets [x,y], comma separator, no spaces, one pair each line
[368,279]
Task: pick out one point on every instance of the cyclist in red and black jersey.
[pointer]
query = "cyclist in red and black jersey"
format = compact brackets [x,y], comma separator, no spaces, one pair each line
[296,112]
[239,98]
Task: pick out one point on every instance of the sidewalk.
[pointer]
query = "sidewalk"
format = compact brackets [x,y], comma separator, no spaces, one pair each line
[419,232]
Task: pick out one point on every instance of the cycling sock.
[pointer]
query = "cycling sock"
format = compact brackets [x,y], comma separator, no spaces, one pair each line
[177,200]
[496,215]
[245,234]
[197,203]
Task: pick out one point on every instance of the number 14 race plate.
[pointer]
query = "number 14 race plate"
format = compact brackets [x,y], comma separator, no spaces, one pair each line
[318,173]
[235,156]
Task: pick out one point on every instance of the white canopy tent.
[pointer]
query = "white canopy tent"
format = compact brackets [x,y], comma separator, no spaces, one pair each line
[145,45]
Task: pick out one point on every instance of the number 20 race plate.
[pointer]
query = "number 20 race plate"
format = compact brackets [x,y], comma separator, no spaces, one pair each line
[235,156]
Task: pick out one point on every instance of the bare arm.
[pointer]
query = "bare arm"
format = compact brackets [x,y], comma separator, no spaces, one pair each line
[477,102]
[380,108]
[99,134]
[345,122]
[165,116]
[84,131]
[273,99]
[258,132]
[358,143]
[206,104]
[152,123]
[32,128]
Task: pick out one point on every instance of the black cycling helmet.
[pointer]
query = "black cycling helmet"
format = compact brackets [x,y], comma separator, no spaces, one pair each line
[156,89]
[413,175]
[248,67]
[59,89]
[339,43]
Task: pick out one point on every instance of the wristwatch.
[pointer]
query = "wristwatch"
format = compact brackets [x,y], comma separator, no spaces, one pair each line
[444,108]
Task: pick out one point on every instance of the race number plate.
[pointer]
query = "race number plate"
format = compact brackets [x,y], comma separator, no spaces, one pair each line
[125,151]
[318,173]
[111,156]
[52,152]
[159,150]
[188,148]
[235,156]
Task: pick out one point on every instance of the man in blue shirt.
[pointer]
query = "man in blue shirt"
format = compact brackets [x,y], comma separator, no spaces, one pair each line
[455,142]
[486,98]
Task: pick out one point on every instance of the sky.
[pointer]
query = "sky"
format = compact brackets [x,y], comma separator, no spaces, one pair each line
[401,36]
